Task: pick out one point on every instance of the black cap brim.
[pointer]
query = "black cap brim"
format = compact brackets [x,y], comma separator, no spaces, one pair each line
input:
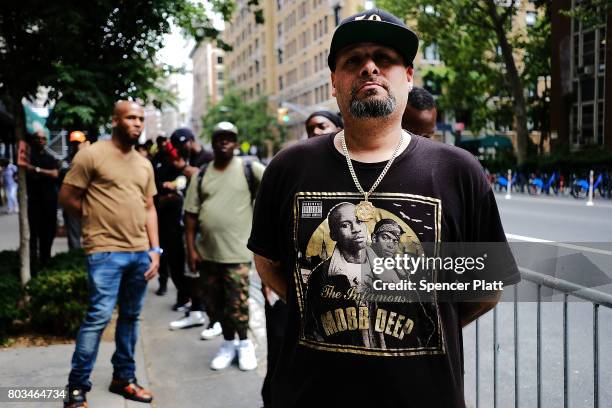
[401,39]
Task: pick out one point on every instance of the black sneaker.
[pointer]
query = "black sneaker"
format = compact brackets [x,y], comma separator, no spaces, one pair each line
[76,398]
[182,307]
[130,389]
[163,289]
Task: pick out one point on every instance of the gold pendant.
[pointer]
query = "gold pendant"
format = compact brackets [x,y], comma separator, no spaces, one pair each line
[364,211]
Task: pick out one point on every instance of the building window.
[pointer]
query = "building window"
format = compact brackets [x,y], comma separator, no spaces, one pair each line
[337,9]
[256,66]
[279,54]
[588,71]
[430,53]
[280,83]
[220,75]
[220,59]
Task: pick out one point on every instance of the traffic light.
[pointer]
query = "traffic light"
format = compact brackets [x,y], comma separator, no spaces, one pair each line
[282,115]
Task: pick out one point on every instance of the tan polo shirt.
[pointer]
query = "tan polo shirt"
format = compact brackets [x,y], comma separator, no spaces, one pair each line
[117,186]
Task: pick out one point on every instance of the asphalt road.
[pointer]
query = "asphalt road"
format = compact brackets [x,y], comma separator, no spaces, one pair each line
[557,219]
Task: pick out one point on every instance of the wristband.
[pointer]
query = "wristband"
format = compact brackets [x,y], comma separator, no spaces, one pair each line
[157,250]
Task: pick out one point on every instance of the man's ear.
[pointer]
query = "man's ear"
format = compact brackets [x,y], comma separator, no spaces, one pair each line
[114,121]
[409,73]
[333,84]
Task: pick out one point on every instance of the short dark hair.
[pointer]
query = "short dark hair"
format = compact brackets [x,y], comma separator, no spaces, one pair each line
[161,140]
[420,99]
[334,118]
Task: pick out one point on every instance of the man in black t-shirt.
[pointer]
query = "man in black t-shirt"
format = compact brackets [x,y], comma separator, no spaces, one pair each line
[421,113]
[183,138]
[42,174]
[168,164]
[348,344]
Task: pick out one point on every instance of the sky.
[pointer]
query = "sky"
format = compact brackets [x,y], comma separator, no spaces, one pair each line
[176,53]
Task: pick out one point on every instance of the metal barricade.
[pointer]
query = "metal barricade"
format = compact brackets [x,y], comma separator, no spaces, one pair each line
[595,297]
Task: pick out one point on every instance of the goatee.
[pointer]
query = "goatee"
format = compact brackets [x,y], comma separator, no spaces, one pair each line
[127,139]
[372,107]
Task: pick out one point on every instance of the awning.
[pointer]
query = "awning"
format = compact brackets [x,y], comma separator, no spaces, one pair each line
[495,141]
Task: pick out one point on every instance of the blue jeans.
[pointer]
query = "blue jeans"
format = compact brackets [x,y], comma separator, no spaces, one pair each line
[113,277]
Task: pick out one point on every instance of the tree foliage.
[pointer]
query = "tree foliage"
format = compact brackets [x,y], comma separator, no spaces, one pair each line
[591,12]
[482,82]
[88,54]
[537,66]
[254,122]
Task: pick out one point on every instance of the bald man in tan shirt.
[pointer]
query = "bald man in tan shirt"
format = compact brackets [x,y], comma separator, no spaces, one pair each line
[111,188]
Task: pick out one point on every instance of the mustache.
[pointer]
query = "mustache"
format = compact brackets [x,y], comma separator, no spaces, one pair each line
[378,81]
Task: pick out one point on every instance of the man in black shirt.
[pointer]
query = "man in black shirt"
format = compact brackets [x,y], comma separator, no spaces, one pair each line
[183,138]
[42,173]
[421,113]
[436,193]
[168,165]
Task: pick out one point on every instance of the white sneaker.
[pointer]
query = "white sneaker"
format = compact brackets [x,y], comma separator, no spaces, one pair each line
[192,319]
[246,355]
[225,355]
[211,332]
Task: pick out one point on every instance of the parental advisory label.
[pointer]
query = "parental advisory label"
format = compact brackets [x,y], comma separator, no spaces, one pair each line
[312,209]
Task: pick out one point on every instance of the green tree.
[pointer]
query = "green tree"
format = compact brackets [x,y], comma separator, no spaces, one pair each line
[536,73]
[590,12]
[88,54]
[477,44]
[254,122]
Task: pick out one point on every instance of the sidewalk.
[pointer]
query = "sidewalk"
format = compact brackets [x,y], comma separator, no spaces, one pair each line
[174,364]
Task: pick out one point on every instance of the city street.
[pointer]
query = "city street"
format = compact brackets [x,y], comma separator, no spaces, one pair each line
[175,364]
[348,144]
[560,219]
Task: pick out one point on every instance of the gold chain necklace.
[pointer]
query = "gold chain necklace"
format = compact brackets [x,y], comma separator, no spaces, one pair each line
[364,211]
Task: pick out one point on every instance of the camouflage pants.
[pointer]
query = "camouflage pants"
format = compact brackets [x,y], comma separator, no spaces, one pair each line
[225,290]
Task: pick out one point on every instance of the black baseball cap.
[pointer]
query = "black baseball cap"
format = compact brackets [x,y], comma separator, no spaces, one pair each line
[181,136]
[376,26]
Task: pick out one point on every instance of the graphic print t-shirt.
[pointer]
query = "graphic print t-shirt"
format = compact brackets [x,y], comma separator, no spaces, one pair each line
[344,346]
